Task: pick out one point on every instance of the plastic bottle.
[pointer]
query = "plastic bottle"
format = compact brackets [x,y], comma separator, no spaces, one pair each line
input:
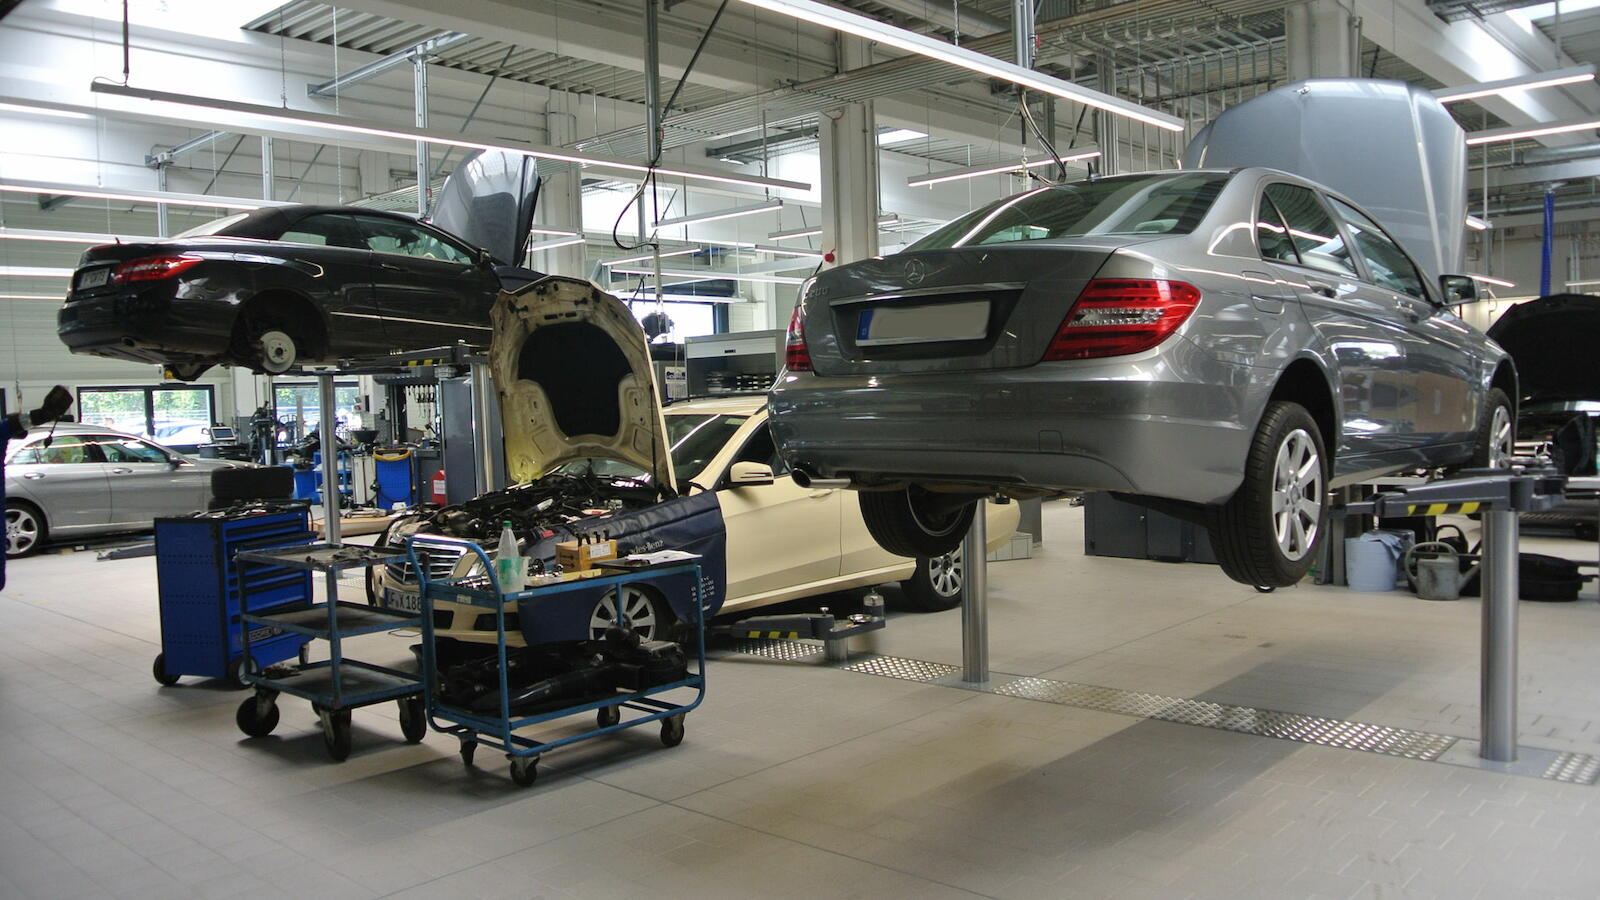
[508,561]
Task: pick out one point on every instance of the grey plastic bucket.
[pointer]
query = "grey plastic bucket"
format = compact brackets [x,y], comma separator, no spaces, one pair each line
[1372,561]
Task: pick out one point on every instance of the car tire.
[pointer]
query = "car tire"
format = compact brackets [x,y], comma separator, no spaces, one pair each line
[1260,535]
[26,530]
[646,614]
[1496,434]
[914,522]
[940,583]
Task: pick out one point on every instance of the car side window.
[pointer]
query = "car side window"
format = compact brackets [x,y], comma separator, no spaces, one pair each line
[389,236]
[1386,262]
[1272,235]
[323,230]
[65,448]
[760,449]
[1315,236]
[130,450]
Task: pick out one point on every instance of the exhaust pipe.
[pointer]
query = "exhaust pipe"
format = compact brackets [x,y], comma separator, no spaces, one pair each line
[805,479]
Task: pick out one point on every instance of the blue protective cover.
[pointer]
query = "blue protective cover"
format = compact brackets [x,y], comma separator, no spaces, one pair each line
[692,524]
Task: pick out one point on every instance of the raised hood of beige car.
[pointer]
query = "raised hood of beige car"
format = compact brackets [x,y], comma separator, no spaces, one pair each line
[572,368]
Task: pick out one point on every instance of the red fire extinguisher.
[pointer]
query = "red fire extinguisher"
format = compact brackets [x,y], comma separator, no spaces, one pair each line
[438,488]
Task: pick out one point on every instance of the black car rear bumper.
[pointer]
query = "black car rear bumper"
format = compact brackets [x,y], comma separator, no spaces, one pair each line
[149,326]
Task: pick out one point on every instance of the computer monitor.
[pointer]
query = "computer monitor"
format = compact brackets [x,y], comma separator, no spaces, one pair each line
[221,434]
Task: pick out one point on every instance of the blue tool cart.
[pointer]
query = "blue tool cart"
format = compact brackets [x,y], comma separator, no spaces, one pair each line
[338,684]
[497,727]
[202,595]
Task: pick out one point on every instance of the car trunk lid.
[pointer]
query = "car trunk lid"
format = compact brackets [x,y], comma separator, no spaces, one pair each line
[573,372]
[1551,340]
[963,309]
[488,201]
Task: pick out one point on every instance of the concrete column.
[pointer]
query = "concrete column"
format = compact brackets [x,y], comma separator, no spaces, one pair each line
[561,196]
[1322,40]
[1107,126]
[849,148]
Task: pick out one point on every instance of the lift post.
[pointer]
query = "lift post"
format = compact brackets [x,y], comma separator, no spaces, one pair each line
[975,605]
[1501,495]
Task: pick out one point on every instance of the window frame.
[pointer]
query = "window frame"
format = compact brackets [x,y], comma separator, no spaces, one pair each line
[470,253]
[90,450]
[1422,279]
[150,401]
[1355,261]
[352,232]
[764,427]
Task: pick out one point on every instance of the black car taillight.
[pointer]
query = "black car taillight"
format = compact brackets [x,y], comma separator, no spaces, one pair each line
[796,356]
[1117,316]
[153,268]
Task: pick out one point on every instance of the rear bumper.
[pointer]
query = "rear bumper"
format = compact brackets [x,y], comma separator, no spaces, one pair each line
[148,327]
[1101,426]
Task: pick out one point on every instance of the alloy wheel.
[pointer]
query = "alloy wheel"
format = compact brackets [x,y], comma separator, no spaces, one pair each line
[948,573]
[22,531]
[637,606]
[1502,442]
[1297,494]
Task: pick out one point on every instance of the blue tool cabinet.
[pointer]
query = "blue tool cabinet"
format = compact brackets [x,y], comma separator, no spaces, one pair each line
[201,618]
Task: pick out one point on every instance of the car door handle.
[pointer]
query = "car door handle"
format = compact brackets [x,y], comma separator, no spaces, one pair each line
[390,266]
[33,476]
[818,495]
[121,471]
[1411,314]
[1322,287]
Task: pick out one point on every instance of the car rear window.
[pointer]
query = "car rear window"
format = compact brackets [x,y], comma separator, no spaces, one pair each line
[1168,203]
[214,226]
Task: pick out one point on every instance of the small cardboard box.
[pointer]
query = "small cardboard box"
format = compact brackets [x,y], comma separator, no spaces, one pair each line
[572,556]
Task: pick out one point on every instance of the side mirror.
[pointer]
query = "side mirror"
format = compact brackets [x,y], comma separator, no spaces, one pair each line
[485,259]
[1458,289]
[746,474]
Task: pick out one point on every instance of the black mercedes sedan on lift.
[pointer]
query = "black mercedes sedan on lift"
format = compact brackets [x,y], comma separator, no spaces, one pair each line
[285,286]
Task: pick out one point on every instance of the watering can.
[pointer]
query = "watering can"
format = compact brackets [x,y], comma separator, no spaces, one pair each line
[1435,571]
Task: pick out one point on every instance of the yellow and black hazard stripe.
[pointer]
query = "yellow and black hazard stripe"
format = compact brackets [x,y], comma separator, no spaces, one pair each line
[773,635]
[1443,509]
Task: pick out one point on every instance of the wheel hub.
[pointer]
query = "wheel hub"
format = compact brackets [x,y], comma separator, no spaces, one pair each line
[21,531]
[1297,494]
[640,613]
[947,573]
[277,351]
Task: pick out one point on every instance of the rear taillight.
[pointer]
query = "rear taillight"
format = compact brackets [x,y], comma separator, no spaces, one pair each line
[154,268]
[1117,316]
[796,357]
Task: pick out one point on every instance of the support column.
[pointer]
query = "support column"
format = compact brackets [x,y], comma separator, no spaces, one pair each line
[267,168]
[1498,686]
[1322,40]
[327,424]
[975,605]
[848,138]
[419,83]
[163,227]
[1106,125]
[652,113]
[561,195]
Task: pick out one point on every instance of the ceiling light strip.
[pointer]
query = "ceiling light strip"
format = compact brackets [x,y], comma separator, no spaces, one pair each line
[1500,282]
[715,215]
[34,272]
[440,136]
[69,237]
[1518,132]
[933,178]
[712,275]
[624,260]
[1552,78]
[135,195]
[31,297]
[539,246]
[815,13]
[1477,224]
[816,231]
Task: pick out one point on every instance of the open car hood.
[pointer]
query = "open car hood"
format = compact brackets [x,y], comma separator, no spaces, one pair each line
[572,368]
[488,201]
[1552,342]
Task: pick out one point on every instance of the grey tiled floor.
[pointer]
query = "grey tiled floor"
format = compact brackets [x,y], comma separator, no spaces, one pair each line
[799,780]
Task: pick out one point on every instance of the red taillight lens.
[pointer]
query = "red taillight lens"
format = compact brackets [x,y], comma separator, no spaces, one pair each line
[796,358]
[154,268]
[1117,316]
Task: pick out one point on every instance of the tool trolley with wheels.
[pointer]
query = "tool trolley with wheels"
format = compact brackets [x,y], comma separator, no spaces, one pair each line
[498,727]
[339,684]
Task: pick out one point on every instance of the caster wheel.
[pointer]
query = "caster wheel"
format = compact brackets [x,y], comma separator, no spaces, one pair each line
[237,670]
[1264,588]
[672,730]
[413,719]
[257,716]
[606,716]
[159,670]
[468,748]
[525,770]
[336,733]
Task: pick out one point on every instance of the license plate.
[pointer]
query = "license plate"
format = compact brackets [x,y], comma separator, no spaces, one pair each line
[402,601]
[93,278]
[968,321]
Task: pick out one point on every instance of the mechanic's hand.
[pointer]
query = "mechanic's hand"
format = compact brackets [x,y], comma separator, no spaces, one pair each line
[56,404]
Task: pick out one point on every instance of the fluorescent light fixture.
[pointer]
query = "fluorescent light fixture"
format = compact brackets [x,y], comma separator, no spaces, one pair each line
[556,232]
[1477,224]
[787,251]
[31,297]
[624,260]
[439,136]
[42,111]
[35,272]
[1583,283]
[713,275]
[1553,78]
[715,215]
[933,178]
[69,237]
[1518,132]
[538,246]
[816,230]
[899,136]
[814,13]
[1499,282]
[171,198]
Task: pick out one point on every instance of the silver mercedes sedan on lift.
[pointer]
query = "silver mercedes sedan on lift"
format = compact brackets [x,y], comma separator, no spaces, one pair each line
[1221,345]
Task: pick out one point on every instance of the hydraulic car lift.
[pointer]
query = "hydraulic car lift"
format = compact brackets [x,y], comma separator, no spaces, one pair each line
[834,633]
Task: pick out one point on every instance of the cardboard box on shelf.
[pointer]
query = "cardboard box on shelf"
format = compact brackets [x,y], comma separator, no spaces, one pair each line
[572,556]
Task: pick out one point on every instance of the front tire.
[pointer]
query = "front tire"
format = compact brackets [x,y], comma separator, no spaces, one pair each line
[940,582]
[1267,535]
[1497,433]
[915,522]
[26,530]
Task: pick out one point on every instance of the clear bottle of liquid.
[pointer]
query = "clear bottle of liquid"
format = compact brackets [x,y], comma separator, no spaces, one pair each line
[508,561]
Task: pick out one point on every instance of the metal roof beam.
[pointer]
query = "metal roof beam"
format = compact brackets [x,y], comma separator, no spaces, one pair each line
[426,49]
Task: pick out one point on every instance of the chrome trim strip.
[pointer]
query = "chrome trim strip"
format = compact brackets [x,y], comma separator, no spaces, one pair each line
[913,293]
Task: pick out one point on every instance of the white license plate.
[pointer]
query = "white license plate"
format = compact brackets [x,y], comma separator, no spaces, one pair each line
[967,321]
[402,601]
[93,278]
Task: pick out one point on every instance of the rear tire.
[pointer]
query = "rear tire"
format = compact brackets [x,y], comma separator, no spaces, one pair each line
[26,530]
[940,583]
[915,522]
[1497,433]
[1268,534]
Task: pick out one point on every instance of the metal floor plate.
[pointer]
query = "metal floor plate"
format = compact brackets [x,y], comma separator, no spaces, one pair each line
[1571,768]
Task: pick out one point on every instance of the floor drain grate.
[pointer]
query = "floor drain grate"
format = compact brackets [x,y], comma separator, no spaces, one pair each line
[902,668]
[779,649]
[1574,768]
